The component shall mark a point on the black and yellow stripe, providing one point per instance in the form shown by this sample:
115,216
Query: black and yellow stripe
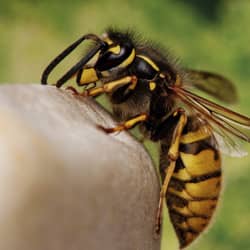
195,186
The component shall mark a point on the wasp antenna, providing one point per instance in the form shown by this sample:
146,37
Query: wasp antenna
67,51
78,66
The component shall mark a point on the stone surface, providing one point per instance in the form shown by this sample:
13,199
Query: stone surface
65,185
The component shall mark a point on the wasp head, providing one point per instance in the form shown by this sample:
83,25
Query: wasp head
116,56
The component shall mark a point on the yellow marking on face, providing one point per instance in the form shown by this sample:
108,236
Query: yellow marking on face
197,223
152,85
202,207
202,133
116,49
150,62
205,189
88,76
202,163
128,61
107,39
162,75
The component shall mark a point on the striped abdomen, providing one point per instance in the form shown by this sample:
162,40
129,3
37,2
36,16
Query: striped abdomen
195,185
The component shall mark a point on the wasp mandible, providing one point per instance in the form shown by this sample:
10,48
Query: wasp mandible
146,88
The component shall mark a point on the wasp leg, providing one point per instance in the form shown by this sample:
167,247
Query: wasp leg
127,124
73,90
111,86
172,156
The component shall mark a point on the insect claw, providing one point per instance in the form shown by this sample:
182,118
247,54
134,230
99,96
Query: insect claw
157,232
110,130
85,93
73,90
106,130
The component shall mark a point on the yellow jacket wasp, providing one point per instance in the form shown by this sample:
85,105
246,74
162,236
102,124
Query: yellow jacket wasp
146,88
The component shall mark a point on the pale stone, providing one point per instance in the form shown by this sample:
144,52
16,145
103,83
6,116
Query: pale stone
65,185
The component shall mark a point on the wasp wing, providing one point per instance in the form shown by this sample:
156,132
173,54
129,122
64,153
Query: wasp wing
213,84
227,143
229,127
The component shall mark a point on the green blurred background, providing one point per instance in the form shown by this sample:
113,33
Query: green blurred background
212,35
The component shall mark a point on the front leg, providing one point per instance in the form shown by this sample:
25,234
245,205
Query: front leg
109,87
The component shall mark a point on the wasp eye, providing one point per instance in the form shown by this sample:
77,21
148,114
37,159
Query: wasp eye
116,56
